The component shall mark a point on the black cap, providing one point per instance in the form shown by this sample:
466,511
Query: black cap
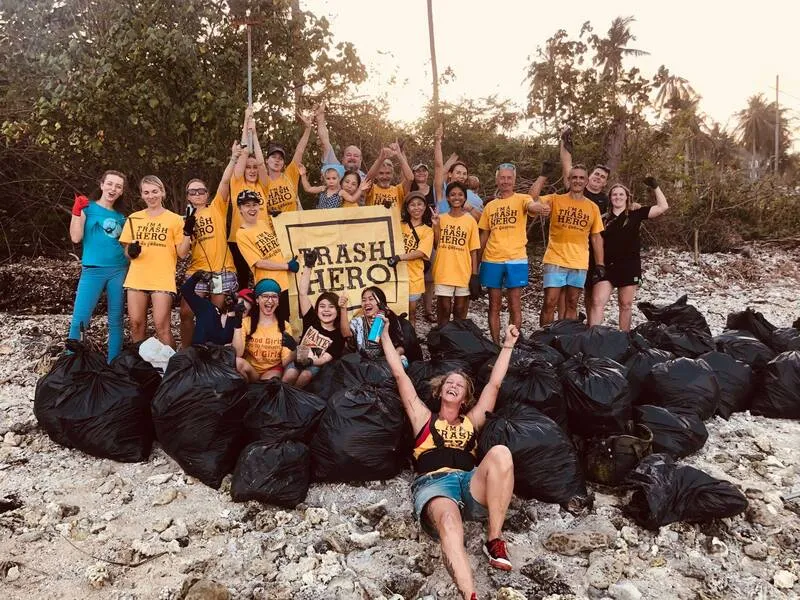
246,196
273,148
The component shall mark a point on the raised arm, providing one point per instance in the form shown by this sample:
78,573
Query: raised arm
241,162
311,189
438,163
417,412
437,230
373,170
565,153
78,220
224,187
263,173
344,321
406,173
300,149
328,155
489,395
661,200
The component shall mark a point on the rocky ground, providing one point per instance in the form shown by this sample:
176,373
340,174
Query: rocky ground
73,526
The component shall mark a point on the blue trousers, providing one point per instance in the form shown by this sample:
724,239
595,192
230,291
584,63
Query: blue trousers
90,287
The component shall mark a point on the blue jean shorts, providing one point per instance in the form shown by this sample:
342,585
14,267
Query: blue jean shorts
450,484
509,274
554,276
414,297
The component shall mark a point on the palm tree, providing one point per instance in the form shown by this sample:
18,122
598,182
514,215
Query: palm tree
756,129
612,49
674,92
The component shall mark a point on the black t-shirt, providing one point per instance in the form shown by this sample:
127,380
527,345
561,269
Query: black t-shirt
599,198
429,197
621,235
321,340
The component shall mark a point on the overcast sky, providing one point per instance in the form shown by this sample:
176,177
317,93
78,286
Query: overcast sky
728,52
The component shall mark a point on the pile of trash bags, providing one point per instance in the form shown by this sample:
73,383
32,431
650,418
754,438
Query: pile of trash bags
577,404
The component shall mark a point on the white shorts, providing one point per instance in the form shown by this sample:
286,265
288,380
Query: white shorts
448,291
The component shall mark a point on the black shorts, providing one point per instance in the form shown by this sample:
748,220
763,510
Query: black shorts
624,273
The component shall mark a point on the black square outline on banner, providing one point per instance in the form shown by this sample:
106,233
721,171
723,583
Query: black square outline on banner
387,220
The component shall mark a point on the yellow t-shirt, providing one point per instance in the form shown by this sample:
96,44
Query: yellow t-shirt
455,436
458,236
282,191
378,195
571,222
210,250
505,219
238,185
264,350
154,268
416,267
260,242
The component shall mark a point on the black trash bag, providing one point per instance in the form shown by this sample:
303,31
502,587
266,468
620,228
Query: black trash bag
198,411
608,460
796,324
51,388
539,351
532,381
687,343
655,334
779,395
640,364
666,492
423,371
546,465
597,396
102,413
550,332
784,339
413,351
638,341
130,363
462,340
362,436
678,433
350,371
751,321
279,412
599,341
274,474
686,384
736,383
744,347
678,313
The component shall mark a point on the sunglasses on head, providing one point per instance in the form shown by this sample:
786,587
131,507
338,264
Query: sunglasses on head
507,166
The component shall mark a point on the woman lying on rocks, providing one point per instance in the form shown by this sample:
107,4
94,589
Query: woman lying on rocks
450,485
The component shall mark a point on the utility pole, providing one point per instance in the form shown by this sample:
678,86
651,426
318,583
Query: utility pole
433,62
777,127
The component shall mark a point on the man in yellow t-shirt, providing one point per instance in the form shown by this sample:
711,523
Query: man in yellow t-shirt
259,245
503,239
382,172
574,221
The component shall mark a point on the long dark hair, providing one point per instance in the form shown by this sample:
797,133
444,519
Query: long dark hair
281,313
395,330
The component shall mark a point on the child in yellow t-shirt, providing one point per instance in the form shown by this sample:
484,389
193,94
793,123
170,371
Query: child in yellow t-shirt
455,269
382,172
264,344
154,239
418,247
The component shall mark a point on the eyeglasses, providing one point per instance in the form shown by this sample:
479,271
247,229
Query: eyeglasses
269,297
196,192
507,166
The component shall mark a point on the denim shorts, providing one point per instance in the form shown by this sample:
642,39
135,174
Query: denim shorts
313,369
509,274
450,484
414,297
554,276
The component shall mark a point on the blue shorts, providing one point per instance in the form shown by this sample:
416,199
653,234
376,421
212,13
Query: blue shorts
450,484
414,297
554,276
509,274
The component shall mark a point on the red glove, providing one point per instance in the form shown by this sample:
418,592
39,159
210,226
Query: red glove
81,202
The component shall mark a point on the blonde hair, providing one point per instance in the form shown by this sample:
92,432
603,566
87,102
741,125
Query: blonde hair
438,381
153,180
628,203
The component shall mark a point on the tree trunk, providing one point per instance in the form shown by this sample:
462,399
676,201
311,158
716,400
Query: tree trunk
615,141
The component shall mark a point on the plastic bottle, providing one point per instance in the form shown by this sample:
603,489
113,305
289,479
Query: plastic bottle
376,329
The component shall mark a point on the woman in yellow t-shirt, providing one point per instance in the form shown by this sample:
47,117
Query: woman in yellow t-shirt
353,189
154,239
209,251
264,344
418,246
455,269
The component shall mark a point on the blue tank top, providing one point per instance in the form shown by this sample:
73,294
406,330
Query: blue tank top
101,247
332,201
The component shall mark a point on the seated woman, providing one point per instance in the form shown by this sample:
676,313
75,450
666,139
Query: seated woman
373,301
212,324
622,251
450,486
154,238
322,339
264,344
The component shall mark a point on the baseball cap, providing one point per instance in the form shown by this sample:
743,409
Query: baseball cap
246,196
273,148
419,166
246,294
416,195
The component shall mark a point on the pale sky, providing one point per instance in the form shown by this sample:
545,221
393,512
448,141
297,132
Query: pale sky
728,52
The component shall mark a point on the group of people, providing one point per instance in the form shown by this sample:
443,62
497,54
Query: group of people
455,245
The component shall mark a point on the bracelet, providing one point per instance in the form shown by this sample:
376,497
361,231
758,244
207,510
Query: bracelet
509,347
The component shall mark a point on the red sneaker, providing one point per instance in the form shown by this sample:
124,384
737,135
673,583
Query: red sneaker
474,596
498,555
